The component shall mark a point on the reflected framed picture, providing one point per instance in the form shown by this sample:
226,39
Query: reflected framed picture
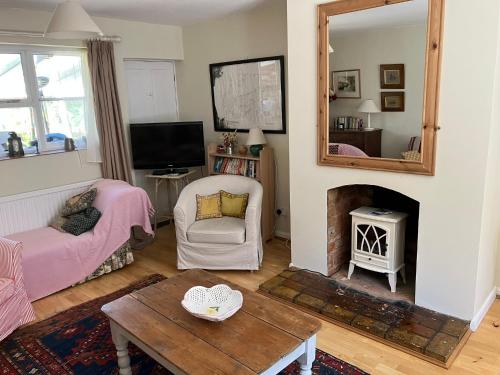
392,76
346,84
392,101
248,94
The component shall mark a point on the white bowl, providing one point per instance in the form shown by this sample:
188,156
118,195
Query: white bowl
215,304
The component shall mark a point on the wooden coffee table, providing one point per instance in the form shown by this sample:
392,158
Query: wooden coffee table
263,337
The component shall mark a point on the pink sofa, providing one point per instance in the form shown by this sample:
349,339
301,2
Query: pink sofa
15,308
53,261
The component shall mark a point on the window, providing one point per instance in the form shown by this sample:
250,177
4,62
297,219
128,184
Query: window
44,98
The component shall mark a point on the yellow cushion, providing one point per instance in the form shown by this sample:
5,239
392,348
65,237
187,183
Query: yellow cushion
234,205
208,206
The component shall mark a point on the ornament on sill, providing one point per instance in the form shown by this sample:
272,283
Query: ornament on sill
15,145
69,144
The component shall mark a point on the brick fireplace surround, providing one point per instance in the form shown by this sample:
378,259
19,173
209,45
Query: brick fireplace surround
344,199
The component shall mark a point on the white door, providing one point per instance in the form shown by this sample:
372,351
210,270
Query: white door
152,92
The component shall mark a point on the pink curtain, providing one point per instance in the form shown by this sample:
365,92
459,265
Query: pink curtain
115,160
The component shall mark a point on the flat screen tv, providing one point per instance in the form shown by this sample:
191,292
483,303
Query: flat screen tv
167,145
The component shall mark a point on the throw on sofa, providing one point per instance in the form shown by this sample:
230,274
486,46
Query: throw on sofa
221,243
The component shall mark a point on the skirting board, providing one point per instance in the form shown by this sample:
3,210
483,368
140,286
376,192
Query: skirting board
479,316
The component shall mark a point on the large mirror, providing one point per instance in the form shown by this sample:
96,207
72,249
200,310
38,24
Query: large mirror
378,84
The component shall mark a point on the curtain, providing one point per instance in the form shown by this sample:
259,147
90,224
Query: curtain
115,161
93,144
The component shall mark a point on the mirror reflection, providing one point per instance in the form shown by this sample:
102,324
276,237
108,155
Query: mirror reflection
377,65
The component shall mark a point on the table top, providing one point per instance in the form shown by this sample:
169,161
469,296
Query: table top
171,176
257,336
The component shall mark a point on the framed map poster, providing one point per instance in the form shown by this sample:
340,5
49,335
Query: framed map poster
249,94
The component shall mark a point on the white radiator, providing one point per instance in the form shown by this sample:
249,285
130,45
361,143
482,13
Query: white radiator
22,212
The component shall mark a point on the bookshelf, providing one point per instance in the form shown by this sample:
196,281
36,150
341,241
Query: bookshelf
260,168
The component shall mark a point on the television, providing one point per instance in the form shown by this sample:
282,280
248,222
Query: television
167,145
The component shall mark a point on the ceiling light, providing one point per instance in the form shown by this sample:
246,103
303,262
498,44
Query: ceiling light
71,21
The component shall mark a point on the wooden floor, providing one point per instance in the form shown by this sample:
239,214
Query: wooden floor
481,355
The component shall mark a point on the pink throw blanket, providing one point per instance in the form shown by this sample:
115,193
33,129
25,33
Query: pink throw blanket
53,261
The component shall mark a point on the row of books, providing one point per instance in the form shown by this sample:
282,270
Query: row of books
240,167
347,122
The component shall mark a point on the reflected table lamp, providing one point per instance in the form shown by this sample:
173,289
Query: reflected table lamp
256,141
368,106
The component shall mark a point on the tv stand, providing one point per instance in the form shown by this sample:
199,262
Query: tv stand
161,172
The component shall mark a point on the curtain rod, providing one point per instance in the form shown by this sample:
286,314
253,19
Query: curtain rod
38,34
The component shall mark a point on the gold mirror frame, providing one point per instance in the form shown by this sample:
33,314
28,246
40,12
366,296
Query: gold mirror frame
430,127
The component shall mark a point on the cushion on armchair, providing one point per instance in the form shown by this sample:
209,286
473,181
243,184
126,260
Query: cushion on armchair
208,206
234,205
224,230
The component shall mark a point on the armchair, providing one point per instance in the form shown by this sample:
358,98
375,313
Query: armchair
15,308
222,243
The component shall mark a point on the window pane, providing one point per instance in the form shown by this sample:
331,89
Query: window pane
11,77
64,118
59,76
19,120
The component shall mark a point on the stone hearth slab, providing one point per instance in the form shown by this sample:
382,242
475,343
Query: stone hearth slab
427,334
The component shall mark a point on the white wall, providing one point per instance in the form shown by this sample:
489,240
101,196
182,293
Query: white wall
139,40
451,203
488,271
366,50
256,33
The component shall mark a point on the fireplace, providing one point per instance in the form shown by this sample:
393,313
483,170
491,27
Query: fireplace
344,199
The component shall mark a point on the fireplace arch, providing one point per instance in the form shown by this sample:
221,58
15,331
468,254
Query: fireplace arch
344,199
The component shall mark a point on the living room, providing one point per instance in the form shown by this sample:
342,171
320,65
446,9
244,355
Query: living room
193,65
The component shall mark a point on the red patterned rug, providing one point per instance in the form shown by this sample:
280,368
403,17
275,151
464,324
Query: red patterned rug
78,341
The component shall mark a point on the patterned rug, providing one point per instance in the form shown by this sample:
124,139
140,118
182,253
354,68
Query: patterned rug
78,341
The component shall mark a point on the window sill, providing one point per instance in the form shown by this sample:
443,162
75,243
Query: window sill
46,153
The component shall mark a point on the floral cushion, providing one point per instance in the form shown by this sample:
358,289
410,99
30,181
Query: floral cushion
79,202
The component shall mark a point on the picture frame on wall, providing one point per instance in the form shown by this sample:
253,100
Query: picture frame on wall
392,101
249,94
346,84
392,76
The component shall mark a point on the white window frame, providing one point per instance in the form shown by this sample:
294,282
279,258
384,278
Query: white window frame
33,100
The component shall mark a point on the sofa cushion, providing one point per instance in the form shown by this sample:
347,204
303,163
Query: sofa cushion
224,230
6,289
79,202
82,222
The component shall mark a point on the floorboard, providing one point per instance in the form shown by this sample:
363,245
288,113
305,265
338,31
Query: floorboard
481,354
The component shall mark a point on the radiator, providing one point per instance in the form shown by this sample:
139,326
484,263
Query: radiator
22,212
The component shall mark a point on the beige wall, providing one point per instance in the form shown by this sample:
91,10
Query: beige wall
139,40
257,33
366,50
451,202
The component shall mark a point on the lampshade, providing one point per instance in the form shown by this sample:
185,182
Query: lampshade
330,49
70,21
368,106
256,137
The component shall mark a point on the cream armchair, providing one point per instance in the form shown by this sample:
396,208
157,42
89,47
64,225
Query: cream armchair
225,243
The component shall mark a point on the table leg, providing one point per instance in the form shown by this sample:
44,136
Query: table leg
121,344
157,183
306,360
